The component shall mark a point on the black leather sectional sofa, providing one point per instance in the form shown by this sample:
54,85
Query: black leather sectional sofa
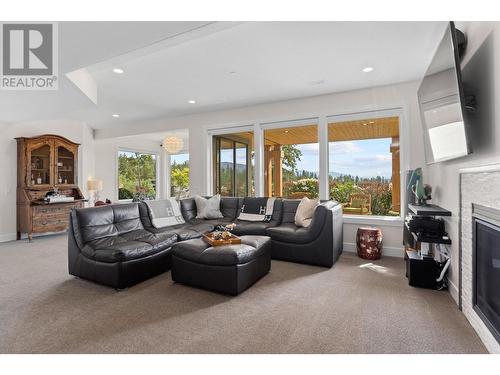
117,245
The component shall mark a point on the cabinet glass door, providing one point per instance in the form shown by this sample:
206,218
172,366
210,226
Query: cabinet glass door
39,166
65,166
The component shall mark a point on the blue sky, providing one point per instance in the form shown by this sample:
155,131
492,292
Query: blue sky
179,159
366,158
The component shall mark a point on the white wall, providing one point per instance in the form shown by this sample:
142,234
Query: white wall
86,159
73,130
481,76
106,151
386,97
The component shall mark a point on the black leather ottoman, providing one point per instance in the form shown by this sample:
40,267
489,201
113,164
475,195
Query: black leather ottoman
225,269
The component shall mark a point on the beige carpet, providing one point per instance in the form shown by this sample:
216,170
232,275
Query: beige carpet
355,307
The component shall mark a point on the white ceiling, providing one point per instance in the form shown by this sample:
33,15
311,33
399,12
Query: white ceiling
168,63
82,44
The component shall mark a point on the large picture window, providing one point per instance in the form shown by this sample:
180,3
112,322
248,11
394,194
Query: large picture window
291,162
137,175
364,166
361,160
179,176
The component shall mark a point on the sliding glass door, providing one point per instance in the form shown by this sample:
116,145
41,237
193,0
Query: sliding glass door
225,167
233,165
241,154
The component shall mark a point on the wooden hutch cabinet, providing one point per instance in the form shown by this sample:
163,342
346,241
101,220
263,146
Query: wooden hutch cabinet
46,164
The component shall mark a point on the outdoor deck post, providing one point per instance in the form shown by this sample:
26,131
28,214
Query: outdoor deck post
396,205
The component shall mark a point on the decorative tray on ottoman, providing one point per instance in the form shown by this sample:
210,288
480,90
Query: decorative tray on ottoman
213,241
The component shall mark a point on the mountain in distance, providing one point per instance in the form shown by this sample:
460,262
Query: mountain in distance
242,168
229,165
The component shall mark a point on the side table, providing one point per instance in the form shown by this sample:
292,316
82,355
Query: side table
369,243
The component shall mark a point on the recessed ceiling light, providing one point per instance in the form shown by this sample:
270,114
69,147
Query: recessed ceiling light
115,115
192,101
118,71
368,69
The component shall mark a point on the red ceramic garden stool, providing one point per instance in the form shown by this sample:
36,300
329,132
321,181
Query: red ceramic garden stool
369,243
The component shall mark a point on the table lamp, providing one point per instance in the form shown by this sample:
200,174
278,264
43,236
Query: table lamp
94,186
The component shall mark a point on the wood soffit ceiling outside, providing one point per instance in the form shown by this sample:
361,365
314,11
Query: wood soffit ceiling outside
387,127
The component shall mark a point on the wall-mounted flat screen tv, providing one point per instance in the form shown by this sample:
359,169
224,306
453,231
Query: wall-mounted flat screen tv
442,103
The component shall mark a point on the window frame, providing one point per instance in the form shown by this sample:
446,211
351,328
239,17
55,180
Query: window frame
307,121
322,119
211,157
399,113
140,151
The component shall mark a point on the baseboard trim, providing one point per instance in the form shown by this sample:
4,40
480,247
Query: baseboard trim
7,237
453,290
390,251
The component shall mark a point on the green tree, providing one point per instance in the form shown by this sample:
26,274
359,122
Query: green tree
305,185
342,188
291,155
137,174
179,179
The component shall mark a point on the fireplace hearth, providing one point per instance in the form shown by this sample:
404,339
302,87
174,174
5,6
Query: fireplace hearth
479,212
486,266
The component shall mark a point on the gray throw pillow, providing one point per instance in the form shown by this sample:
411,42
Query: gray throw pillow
208,208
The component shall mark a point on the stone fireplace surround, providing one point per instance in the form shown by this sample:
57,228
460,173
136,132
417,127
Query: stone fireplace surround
481,186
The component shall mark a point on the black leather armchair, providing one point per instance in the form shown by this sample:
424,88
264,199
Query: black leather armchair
319,244
109,245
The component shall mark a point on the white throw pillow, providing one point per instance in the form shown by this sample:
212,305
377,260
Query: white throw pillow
305,211
208,208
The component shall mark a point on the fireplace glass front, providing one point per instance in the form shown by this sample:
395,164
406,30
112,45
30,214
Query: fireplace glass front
486,240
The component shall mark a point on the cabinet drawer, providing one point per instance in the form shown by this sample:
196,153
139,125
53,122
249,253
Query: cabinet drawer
51,223
43,211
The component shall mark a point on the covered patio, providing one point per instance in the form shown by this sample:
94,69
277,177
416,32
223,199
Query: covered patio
277,139
376,128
